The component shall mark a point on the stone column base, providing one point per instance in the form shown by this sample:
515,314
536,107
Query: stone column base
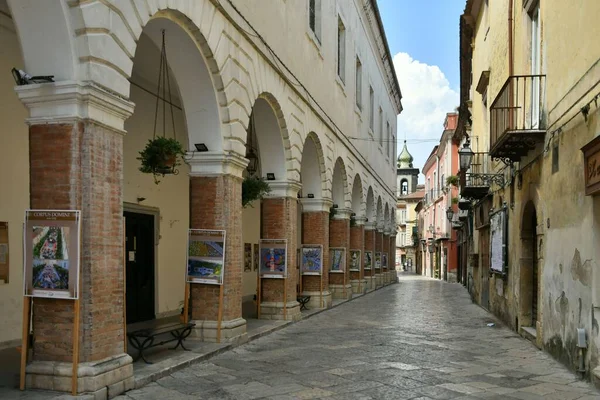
315,300
103,379
393,276
385,278
370,283
378,278
231,331
452,277
274,310
359,286
338,292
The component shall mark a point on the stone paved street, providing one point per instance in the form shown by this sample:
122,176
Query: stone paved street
418,339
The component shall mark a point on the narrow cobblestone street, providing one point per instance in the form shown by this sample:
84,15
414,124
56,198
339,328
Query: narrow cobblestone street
419,339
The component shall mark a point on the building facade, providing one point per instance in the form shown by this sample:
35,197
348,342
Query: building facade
441,193
312,111
407,180
529,119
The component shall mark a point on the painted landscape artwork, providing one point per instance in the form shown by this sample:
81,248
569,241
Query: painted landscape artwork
355,260
206,256
368,259
338,259
50,258
273,258
378,260
312,260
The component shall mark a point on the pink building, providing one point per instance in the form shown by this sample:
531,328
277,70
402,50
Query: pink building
439,247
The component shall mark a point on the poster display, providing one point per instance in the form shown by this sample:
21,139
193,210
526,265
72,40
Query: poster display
206,256
497,241
338,259
273,258
355,260
377,260
368,260
311,259
51,245
384,260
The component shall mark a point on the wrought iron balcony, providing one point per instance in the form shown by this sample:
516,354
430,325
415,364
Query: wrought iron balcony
516,117
478,178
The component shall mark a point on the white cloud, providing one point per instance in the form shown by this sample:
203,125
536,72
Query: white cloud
426,98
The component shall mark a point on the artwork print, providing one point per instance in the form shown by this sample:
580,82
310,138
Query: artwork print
378,260
355,260
206,256
273,258
312,260
52,253
368,259
338,259
384,260
247,257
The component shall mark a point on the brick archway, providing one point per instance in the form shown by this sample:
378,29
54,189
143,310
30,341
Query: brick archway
340,193
358,204
312,171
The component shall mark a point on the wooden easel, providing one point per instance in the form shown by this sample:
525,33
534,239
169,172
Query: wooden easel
284,298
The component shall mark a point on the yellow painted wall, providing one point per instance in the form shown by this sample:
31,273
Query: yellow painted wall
14,180
171,196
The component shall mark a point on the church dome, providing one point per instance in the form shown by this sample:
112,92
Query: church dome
405,160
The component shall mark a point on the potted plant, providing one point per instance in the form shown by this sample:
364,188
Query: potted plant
455,200
160,156
452,180
253,188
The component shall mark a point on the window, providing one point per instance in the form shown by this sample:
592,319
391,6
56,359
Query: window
404,187
371,109
388,139
380,127
314,17
341,52
358,84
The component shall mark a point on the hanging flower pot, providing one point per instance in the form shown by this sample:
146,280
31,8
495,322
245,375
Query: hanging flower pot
160,156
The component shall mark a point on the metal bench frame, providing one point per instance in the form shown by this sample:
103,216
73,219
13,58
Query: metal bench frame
303,300
178,331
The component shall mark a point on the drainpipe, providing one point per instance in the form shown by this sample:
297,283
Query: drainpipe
510,38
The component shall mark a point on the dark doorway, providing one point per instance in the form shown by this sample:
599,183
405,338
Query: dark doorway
534,278
139,258
484,248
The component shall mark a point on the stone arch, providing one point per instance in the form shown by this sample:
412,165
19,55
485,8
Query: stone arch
312,173
339,191
529,279
370,206
358,205
386,216
272,139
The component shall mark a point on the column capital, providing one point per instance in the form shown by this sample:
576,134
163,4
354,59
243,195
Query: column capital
370,225
342,213
73,101
360,221
281,189
316,205
213,163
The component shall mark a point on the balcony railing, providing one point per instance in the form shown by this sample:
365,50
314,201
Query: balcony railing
517,117
480,177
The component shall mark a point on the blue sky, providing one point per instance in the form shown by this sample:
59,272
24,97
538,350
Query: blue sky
423,40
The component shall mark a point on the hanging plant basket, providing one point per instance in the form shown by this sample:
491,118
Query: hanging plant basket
452,180
161,157
253,188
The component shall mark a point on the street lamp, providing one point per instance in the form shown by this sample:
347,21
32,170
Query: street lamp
465,155
450,214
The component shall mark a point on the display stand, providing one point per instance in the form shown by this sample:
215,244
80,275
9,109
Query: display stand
258,297
25,338
321,289
124,287
284,299
220,314
344,283
75,348
186,303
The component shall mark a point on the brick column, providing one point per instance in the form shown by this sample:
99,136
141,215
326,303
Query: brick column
339,236
393,270
385,245
216,203
315,230
357,242
370,246
378,248
76,162
278,221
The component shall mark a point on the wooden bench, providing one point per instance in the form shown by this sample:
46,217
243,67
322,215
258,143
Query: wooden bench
303,300
143,339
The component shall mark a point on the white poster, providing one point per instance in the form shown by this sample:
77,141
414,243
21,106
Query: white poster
497,241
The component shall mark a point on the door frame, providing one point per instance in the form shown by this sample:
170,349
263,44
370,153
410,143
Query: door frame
155,212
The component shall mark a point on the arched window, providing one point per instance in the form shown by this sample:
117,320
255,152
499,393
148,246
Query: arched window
404,187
